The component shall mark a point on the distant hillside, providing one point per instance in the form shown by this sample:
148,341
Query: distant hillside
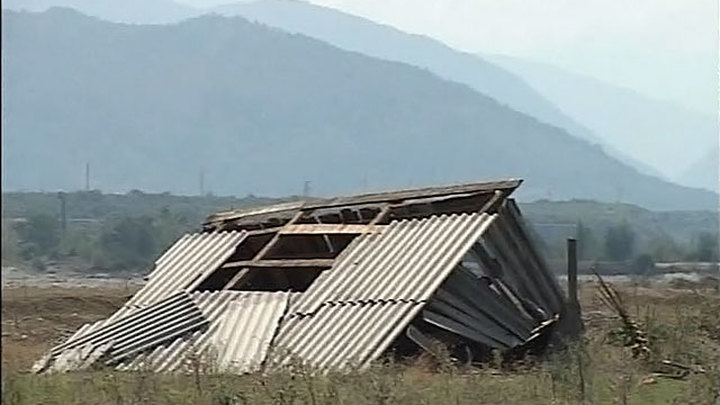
358,34
260,111
665,135
704,171
681,225
126,11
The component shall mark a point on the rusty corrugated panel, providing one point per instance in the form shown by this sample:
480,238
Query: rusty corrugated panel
404,263
184,264
341,336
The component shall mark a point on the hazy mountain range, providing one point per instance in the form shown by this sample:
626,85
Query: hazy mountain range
125,11
260,110
636,129
662,134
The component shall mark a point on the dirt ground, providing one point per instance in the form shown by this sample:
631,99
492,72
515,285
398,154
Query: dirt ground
682,324
36,318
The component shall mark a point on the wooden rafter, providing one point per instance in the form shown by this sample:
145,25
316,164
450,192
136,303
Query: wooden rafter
281,263
324,229
271,243
494,202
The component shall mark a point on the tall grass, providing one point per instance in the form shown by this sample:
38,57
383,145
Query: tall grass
681,327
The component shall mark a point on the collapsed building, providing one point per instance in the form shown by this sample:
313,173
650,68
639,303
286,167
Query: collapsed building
335,284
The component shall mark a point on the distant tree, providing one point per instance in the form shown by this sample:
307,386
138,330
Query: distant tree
664,248
169,227
642,264
129,244
587,243
78,243
705,247
39,235
10,243
619,242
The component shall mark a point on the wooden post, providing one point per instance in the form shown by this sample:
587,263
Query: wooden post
572,269
573,318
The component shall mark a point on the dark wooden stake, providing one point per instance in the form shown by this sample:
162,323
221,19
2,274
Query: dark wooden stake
572,269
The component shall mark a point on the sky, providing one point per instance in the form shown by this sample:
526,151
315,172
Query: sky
665,49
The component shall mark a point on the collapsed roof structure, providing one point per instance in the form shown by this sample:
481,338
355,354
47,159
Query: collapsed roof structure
335,284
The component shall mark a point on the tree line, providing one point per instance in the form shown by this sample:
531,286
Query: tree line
619,243
128,243
113,232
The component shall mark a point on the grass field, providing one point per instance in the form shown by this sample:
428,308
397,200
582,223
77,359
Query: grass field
683,326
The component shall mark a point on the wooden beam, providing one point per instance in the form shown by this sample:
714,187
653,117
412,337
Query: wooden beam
494,201
380,217
280,263
323,229
246,270
264,231
400,195
240,275
275,238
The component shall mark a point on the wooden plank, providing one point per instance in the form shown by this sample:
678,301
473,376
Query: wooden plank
240,275
246,270
428,192
322,229
494,201
264,231
276,238
255,215
380,217
281,263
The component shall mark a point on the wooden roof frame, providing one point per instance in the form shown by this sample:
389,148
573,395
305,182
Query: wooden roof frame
351,216
383,205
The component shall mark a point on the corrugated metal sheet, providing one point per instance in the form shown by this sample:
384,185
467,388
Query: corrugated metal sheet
511,218
184,353
342,336
246,331
167,320
179,354
91,327
183,265
405,263
353,312
242,325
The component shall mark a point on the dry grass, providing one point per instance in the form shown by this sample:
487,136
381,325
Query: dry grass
682,326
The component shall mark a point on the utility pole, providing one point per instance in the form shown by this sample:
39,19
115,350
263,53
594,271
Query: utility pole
63,212
87,176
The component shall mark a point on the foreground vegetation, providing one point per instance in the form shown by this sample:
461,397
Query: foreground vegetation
682,326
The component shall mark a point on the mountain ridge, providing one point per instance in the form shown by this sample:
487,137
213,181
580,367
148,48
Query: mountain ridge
358,34
260,111
669,134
